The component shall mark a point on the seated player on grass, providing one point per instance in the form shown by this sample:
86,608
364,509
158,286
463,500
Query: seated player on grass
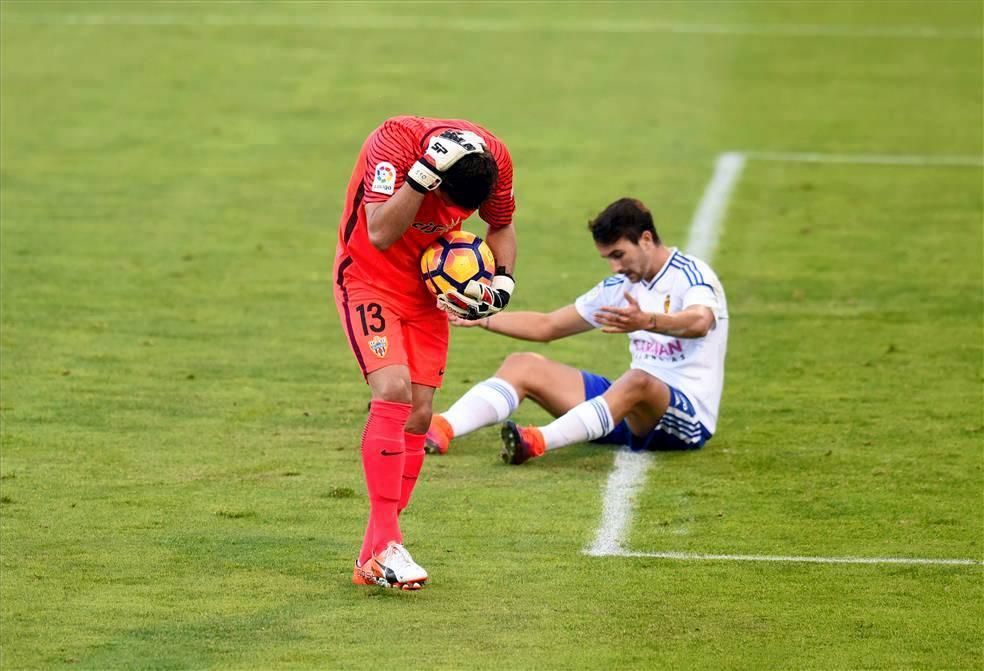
673,309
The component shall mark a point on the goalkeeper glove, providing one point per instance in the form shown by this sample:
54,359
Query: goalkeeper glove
443,151
478,300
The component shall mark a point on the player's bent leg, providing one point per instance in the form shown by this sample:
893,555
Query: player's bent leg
634,394
554,386
638,398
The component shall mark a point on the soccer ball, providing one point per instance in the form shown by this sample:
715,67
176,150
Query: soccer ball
454,259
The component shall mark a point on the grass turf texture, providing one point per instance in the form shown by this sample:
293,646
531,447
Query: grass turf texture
180,482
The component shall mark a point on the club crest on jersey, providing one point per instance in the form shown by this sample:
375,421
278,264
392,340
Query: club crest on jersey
666,304
384,178
379,345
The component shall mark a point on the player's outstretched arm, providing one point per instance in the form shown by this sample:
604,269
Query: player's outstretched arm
535,326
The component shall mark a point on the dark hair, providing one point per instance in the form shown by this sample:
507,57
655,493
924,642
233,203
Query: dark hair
625,218
469,182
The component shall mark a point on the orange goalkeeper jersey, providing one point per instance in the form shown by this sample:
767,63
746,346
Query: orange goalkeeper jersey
386,156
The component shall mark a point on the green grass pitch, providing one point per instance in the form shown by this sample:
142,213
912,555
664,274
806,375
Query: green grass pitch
179,479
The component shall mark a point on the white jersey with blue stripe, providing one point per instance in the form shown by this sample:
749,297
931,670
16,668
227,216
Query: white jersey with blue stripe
695,366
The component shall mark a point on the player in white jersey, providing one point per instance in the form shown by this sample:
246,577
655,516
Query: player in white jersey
674,311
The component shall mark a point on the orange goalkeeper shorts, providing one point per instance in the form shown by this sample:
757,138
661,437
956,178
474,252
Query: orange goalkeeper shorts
382,332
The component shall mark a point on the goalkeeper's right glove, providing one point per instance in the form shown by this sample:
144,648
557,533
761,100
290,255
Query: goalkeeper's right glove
443,151
479,300
460,305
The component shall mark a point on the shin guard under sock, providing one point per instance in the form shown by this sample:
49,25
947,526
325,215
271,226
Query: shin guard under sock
383,456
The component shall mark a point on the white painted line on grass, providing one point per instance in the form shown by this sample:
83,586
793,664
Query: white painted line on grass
706,224
869,159
513,25
624,482
690,556
629,471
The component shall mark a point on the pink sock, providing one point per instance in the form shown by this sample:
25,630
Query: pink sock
411,466
383,456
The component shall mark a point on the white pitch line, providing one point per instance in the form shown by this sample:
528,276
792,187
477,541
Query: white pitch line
868,159
706,224
690,556
626,479
629,471
418,22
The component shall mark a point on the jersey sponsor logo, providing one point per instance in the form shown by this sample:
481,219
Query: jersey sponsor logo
656,348
430,227
384,178
379,345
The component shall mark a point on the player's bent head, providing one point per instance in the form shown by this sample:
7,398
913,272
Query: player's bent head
470,181
626,218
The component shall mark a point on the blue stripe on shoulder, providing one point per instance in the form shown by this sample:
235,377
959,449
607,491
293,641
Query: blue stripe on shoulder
690,271
613,281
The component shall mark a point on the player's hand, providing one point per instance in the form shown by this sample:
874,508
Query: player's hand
492,299
478,300
451,146
459,306
443,151
458,322
624,320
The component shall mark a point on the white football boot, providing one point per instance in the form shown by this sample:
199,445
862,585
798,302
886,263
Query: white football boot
394,567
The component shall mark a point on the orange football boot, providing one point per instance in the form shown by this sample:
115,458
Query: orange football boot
361,575
439,436
520,444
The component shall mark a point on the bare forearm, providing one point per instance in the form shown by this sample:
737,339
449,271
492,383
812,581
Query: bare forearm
387,222
521,325
684,324
502,242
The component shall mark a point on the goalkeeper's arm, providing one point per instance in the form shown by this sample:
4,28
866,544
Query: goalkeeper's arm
535,326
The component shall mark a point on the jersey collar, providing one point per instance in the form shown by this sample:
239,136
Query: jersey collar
662,271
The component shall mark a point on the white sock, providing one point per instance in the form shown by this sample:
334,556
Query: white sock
586,421
488,402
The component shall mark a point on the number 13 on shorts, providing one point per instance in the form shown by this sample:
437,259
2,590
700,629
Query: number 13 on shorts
381,336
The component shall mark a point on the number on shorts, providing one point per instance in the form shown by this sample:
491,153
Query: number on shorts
375,311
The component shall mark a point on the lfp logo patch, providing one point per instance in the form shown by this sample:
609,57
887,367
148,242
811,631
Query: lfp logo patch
379,346
384,178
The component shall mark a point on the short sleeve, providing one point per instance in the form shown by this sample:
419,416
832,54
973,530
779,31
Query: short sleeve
607,293
702,294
